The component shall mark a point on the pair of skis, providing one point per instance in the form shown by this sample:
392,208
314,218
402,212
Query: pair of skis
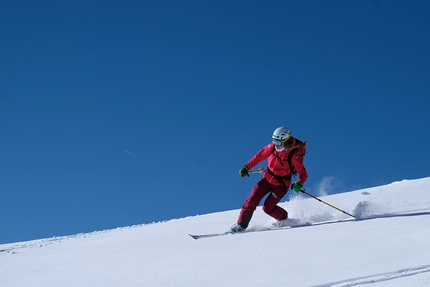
254,229
272,228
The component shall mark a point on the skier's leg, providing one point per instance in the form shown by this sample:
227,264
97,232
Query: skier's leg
248,208
270,204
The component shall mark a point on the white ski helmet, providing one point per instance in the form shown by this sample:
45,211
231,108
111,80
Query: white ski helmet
281,134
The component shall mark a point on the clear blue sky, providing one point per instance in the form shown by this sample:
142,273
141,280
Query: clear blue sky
116,113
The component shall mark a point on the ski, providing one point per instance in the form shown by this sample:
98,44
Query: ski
273,228
199,236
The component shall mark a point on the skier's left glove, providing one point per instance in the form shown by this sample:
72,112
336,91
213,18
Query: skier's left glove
297,186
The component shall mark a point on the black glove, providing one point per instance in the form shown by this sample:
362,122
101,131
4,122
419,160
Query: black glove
244,171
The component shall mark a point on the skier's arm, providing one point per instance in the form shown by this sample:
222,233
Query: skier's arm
260,156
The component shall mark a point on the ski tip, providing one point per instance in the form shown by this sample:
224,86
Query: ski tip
208,235
194,236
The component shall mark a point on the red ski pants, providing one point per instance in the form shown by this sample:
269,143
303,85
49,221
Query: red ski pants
261,189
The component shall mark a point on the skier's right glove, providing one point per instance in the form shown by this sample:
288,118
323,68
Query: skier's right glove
244,171
297,186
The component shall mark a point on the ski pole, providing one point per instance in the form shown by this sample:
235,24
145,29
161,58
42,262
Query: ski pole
304,191
260,170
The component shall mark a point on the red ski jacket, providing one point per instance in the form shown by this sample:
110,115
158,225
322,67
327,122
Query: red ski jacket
278,165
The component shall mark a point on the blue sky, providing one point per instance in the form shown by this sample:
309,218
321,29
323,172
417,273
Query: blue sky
116,113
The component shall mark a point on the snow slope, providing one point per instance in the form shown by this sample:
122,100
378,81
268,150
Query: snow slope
388,246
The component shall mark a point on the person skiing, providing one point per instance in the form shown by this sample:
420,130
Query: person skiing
285,158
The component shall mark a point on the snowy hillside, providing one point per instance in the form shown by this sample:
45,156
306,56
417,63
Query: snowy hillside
388,246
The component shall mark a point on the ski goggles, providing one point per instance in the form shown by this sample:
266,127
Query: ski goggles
279,142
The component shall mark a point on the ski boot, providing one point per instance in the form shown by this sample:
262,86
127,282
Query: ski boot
236,228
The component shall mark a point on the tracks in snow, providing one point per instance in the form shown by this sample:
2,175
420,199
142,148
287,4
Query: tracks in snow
378,277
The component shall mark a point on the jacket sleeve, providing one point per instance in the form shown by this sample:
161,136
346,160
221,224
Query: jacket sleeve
297,161
260,156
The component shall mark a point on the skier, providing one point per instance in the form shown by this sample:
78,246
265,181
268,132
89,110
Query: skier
285,155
